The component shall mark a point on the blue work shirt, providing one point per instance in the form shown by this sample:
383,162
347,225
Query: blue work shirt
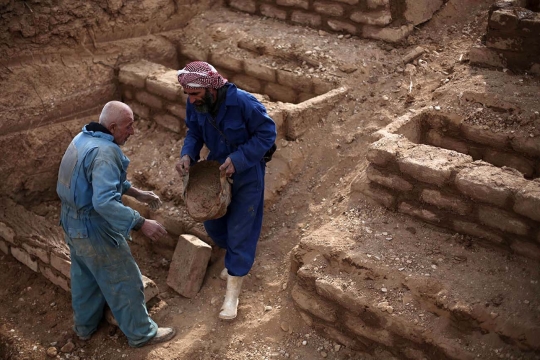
243,119
91,182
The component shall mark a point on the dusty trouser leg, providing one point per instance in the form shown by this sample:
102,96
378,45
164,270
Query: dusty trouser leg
120,281
86,298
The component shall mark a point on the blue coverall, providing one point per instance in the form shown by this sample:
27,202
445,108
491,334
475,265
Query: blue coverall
250,132
91,181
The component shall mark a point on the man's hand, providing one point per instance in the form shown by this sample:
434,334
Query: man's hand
153,230
149,198
183,165
227,167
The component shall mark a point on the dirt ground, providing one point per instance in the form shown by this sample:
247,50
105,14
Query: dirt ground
36,316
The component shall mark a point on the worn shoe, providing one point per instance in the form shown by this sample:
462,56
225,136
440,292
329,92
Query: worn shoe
84,338
163,334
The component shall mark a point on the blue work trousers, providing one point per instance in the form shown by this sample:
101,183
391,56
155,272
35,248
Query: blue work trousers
239,229
104,272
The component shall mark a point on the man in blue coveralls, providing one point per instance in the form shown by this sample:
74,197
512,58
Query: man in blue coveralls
235,127
91,182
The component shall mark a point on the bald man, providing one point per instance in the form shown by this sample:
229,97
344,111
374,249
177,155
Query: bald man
91,182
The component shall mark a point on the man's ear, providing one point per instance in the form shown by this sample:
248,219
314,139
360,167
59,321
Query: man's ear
112,128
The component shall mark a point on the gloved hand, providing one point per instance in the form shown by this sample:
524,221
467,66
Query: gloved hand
183,165
149,198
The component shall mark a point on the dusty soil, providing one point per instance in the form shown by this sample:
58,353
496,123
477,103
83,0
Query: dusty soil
35,316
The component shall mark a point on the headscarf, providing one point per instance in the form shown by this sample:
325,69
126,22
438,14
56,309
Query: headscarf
200,74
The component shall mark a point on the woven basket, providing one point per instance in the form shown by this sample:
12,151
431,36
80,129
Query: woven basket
207,192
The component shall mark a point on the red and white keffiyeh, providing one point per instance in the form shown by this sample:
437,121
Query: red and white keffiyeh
200,74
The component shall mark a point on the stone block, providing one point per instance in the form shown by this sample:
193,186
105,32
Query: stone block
38,252
62,265
388,34
386,150
303,116
304,4
502,220
151,289
447,202
305,96
294,81
247,83
368,335
444,124
530,26
436,139
529,146
328,8
152,101
135,74
527,249
25,258
305,18
188,266
500,159
4,247
503,19
485,136
377,18
228,62
260,71
280,93
350,2
481,55
527,200
177,110
387,179
419,212
7,233
56,279
419,11
321,86
509,43
140,110
380,195
473,229
273,12
170,122
337,25
373,4
165,85
193,52
313,305
244,5
488,184
128,94
350,299
432,165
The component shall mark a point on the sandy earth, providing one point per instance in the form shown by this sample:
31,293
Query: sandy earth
35,316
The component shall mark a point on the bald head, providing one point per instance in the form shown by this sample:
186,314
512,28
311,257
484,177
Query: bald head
117,117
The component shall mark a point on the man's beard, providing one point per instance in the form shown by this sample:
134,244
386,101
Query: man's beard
205,107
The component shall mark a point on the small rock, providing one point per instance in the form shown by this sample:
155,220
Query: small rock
389,309
384,290
68,347
337,347
267,308
324,354
304,342
284,326
52,352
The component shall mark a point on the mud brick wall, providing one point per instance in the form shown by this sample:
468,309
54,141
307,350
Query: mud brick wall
388,20
153,92
512,38
253,76
514,32
450,189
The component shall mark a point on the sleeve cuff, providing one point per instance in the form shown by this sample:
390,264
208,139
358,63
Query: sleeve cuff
139,224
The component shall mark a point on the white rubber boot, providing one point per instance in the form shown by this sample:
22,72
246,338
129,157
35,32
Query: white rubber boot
224,274
230,305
